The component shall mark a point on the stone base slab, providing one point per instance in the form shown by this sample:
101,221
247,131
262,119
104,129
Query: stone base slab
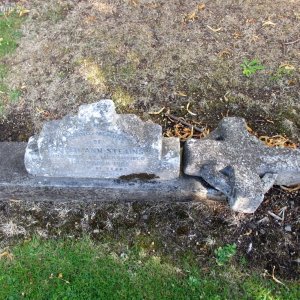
17,184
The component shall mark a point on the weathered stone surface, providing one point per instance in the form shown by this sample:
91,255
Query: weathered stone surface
239,165
99,143
17,184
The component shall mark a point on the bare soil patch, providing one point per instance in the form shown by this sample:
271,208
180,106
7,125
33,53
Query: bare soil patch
178,230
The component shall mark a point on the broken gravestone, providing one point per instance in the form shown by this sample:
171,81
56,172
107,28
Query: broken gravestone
99,143
239,165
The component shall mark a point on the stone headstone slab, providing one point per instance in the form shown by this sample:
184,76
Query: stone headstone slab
99,143
240,165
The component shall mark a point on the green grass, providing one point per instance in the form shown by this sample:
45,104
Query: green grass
9,35
225,253
251,67
283,71
80,269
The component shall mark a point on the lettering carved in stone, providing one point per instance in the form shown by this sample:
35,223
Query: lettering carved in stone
99,143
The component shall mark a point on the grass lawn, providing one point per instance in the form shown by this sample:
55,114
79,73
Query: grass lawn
9,35
81,269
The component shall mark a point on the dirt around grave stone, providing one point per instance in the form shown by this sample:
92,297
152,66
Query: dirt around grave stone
171,229
16,127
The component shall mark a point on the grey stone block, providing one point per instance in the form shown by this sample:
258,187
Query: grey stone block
17,184
99,143
239,165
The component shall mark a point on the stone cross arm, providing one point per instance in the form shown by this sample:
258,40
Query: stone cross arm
239,165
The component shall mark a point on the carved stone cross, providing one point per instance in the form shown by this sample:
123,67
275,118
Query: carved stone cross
240,165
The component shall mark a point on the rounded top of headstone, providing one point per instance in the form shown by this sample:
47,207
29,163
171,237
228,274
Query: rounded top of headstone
104,111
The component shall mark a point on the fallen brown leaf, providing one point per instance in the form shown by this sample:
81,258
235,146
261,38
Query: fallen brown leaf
278,141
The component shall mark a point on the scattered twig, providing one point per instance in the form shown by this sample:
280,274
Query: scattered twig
21,61
15,200
183,122
269,22
192,133
291,189
187,108
263,220
293,42
250,248
282,212
214,29
157,112
274,216
275,279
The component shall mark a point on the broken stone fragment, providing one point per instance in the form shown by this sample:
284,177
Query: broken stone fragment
238,164
99,143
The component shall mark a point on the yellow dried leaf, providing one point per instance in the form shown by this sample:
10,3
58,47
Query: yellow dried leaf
248,232
249,129
90,19
255,38
181,94
23,11
201,6
60,275
134,2
287,67
237,35
191,17
7,255
292,82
